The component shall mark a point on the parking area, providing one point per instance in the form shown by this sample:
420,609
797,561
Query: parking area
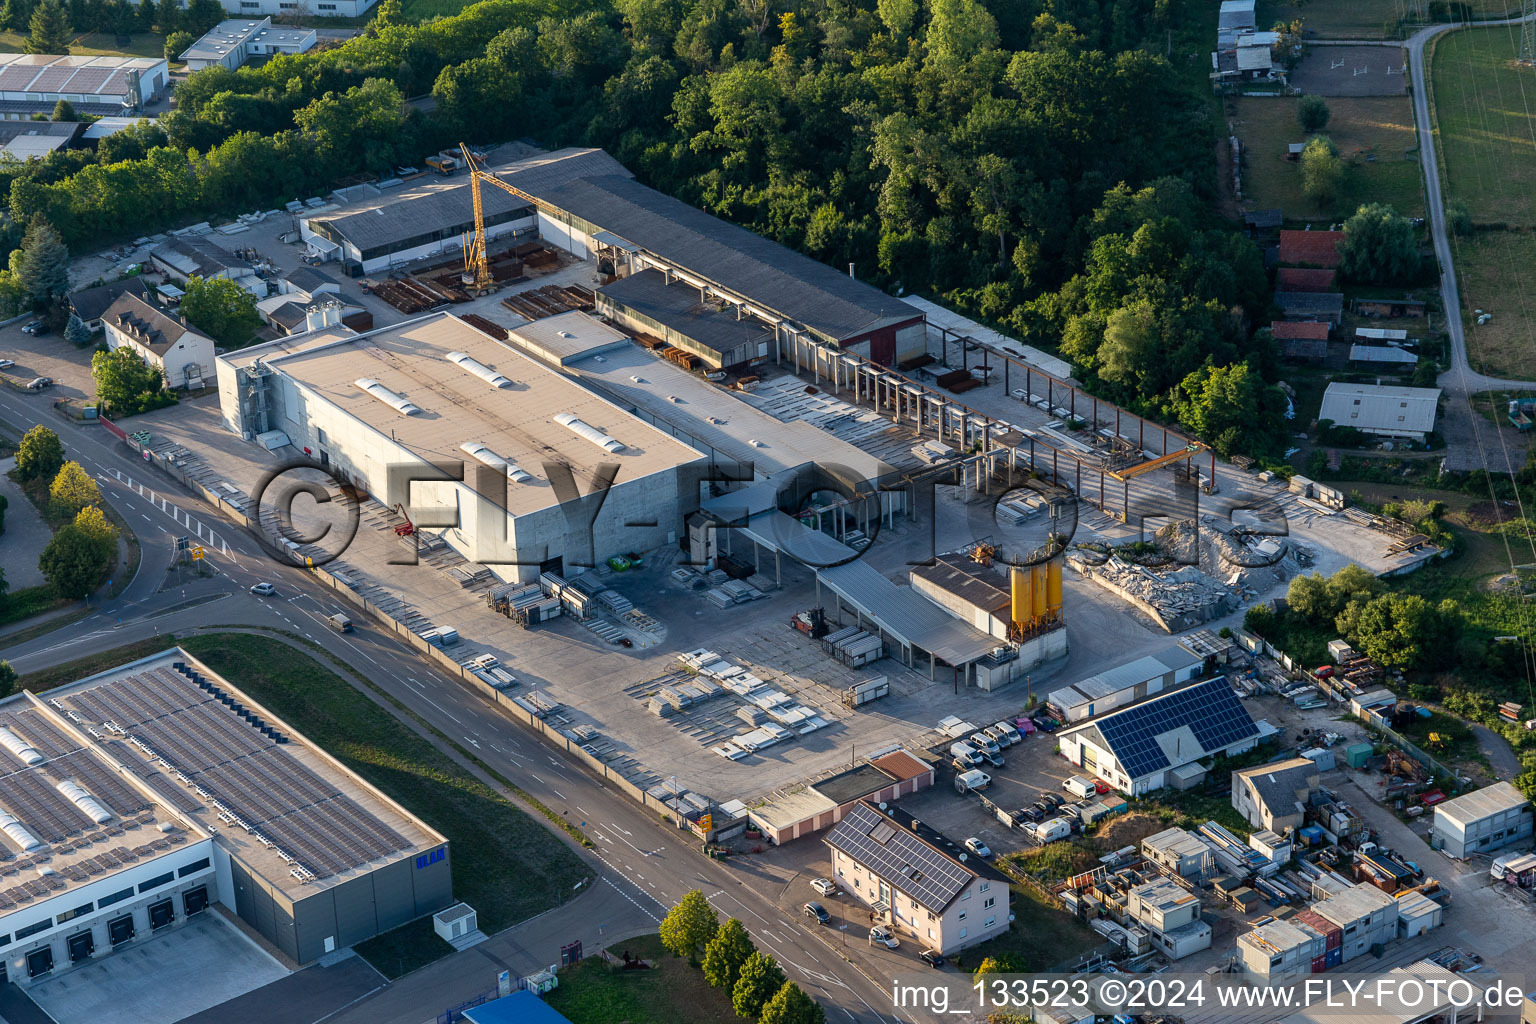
25,533
201,964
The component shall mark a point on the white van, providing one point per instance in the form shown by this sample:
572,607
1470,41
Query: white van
1079,786
981,741
973,780
963,751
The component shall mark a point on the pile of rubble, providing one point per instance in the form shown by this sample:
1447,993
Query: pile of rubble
1177,600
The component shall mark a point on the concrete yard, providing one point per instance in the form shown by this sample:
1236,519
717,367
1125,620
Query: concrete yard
175,975
25,534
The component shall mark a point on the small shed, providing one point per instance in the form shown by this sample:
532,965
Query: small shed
1340,651
1356,754
1186,776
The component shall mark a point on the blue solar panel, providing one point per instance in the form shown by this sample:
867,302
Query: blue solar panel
1210,709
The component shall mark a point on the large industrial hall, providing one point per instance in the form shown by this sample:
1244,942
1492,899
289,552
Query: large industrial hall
135,799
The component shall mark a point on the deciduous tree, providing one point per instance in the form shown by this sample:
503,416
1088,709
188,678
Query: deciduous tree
1379,246
39,455
64,111
1322,172
72,563
126,384
689,926
72,490
761,978
221,309
725,954
176,44
1312,112
790,1005
7,679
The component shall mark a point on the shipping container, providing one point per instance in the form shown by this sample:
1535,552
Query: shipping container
1319,964
1335,957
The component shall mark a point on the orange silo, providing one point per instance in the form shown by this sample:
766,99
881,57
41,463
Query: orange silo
1053,588
1037,588
1019,590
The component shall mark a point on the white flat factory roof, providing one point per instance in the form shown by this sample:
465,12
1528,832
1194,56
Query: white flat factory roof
433,365
731,425
567,337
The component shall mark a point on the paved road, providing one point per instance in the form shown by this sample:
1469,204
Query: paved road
649,866
1506,764
1472,442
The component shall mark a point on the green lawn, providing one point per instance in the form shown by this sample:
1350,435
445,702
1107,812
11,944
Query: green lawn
1362,128
398,952
672,992
505,865
1360,19
1497,273
1041,937
1485,117
95,44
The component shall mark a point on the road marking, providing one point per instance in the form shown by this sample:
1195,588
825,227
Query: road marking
541,781
627,896
771,937
146,518
557,793
439,707
473,743
583,810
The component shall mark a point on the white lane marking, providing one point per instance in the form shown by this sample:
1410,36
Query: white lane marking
557,793
582,809
541,781
439,707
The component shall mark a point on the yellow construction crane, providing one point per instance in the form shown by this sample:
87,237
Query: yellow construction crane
477,267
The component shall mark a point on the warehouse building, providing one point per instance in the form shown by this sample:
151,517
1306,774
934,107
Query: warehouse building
1382,410
916,881
1143,747
33,140
230,44
33,83
436,388
187,256
683,315
1124,684
423,219
1483,821
290,8
1418,993
591,206
137,797
1275,796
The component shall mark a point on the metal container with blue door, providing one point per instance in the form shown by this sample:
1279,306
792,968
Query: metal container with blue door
1335,957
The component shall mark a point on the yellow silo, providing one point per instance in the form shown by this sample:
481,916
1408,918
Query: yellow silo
1037,580
1053,588
1019,589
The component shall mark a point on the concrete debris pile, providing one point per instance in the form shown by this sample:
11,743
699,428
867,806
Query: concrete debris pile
1176,600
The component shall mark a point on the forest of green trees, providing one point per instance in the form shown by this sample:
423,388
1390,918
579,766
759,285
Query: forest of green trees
1045,164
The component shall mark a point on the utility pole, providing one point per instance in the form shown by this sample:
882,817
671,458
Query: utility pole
1528,33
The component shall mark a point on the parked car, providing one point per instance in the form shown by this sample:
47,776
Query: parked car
38,383
35,327
1007,733
931,957
6,364
817,911
825,886
978,847
1027,814
881,934
1100,786
983,743
995,760
264,589
1053,800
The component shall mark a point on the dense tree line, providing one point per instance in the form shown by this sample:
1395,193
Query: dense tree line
1042,163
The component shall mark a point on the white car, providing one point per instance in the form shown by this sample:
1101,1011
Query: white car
882,935
977,847
6,364
824,886
264,589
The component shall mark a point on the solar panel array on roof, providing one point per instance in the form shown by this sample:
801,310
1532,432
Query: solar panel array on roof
1210,710
16,79
901,859
87,80
215,746
51,79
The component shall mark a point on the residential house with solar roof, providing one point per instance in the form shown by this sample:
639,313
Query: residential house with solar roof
917,882
1161,741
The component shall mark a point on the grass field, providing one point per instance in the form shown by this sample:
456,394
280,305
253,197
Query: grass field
1042,936
671,992
1485,118
1379,126
1497,273
505,865
1359,19
95,44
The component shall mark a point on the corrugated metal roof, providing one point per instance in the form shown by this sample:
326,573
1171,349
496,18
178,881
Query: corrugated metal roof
794,286
1479,804
904,614
1381,354
1374,407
